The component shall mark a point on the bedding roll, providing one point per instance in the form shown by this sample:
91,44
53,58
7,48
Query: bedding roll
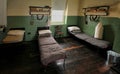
99,31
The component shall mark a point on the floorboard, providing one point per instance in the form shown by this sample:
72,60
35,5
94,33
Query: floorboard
26,60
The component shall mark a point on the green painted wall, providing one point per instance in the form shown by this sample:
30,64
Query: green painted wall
25,22
111,29
31,29
87,28
72,20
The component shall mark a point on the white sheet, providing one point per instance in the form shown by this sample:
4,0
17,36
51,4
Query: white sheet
16,32
45,33
14,36
74,29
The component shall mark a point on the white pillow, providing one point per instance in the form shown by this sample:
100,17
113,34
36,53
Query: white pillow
45,33
98,31
16,32
74,28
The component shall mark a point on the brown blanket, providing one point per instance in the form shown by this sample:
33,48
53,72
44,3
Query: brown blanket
46,40
50,53
93,41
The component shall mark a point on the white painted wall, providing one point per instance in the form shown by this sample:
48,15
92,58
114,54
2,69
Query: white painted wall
114,6
72,7
21,7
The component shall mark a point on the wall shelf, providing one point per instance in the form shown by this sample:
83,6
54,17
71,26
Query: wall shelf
98,10
39,12
95,12
36,10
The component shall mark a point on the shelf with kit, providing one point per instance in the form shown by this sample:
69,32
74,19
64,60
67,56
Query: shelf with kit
95,12
39,11
36,10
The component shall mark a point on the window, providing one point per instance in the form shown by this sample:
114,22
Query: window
58,8
57,15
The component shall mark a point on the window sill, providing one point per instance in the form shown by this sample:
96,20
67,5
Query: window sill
57,23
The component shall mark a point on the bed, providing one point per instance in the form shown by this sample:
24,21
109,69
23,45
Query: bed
13,42
50,50
14,35
76,32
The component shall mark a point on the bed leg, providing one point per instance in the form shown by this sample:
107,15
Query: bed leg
64,64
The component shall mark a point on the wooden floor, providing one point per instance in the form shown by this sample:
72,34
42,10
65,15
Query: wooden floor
82,60
26,60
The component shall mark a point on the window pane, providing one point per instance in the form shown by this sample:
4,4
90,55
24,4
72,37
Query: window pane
57,15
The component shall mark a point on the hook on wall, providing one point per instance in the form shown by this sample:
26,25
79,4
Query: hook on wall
94,18
40,16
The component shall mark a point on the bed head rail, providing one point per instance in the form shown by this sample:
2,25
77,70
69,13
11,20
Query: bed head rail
71,25
43,28
17,29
